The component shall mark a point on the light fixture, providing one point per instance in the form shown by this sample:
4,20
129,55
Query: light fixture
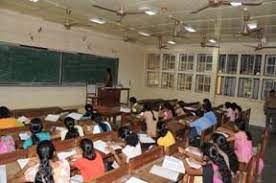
212,41
34,1
98,20
235,4
252,25
171,42
151,12
189,29
143,33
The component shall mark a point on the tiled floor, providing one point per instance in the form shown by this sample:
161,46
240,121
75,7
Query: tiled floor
269,174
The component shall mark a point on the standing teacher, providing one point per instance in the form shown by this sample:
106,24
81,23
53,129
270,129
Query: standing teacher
108,78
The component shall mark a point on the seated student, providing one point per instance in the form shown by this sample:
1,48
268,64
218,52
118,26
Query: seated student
179,108
131,150
207,120
101,126
165,137
124,131
226,151
72,130
7,144
43,168
243,144
151,118
231,114
135,107
91,163
167,111
36,127
6,121
89,111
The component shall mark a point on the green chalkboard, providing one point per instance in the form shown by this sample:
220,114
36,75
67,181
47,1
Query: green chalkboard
87,68
20,64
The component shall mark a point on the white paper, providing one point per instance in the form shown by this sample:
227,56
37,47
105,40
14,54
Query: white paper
190,108
24,119
164,172
52,117
24,135
91,88
3,174
190,150
76,179
174,164
115,165
66,154
193,164
101,146
75,116
145,139
225,135
135,180
125,109
23,162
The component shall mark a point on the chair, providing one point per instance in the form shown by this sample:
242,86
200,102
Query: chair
113,175
261,153
13,156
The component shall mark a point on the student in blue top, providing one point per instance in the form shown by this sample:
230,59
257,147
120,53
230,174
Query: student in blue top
101,125
207,120
38,135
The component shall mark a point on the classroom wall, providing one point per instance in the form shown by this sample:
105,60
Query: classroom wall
18,28
257,115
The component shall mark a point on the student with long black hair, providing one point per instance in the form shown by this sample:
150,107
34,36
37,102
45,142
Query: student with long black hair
72,130
6,121
165,137
101,125
91,164
37,135
231,159
151,118
43,169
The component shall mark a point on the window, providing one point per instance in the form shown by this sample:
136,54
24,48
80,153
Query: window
186,62
251,64
168,62
228,64
226,86
184,81
153,62
268,84
270,65
204,63
152,79
167,80
203,83
248,88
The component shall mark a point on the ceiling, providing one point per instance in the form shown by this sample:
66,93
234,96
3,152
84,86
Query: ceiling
223,23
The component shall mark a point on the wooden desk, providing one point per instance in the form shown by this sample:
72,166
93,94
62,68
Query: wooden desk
110,113
108,96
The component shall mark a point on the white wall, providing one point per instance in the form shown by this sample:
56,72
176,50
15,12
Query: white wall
17,28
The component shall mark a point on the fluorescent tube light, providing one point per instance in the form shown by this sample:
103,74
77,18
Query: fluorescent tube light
98,20
189,29
171,42
144,33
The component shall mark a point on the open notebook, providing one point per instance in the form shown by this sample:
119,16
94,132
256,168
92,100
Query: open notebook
170,169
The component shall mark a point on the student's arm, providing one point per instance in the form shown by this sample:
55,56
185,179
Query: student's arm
120,159
191,155
192,171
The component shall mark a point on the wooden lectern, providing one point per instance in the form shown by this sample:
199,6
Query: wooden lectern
108,96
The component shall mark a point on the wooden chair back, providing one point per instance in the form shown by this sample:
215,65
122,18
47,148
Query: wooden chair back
145,158
13,156
261,153
113,175
36,112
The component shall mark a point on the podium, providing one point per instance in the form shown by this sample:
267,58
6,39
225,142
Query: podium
108,96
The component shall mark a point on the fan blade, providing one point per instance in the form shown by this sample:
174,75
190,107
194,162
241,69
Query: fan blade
103,8
212,46
268,47
201,9
251,46
134,13
120,19
252,3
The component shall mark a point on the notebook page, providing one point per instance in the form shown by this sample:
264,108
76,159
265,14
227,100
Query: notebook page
164,172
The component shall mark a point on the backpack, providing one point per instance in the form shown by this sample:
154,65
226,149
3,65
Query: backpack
7,144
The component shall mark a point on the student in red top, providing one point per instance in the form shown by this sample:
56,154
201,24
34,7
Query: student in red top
91,164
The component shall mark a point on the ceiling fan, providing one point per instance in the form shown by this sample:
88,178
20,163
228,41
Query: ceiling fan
161,44
68,23
261,43
218,3
206,44
120,12
246,29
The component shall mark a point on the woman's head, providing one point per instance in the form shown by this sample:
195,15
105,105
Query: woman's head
147,107
124,131
132,100
181,104
207,106
108,70
88,108
162,128
132,139
98,118
219,139
36,125
45,151
87,148
227,105
4,112
69,123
